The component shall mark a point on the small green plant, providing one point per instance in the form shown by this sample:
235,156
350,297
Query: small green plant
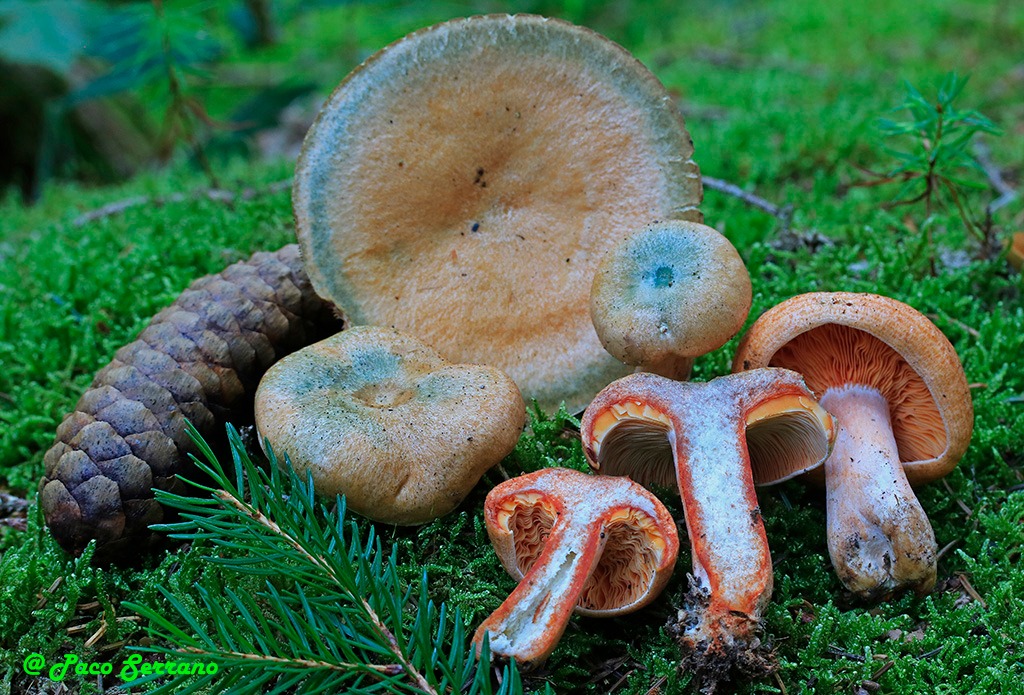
330,613
934,161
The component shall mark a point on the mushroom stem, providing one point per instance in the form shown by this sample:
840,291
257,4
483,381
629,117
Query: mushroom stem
645,426
529,623
879,536
671,366
732,567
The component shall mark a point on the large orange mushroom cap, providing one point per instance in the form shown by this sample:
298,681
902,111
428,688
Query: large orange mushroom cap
462,183
839,338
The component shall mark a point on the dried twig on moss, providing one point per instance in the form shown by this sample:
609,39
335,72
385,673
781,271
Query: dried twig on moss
216,195
1007,194
333,615
784,214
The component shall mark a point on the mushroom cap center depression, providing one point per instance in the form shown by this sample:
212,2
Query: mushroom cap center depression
477,170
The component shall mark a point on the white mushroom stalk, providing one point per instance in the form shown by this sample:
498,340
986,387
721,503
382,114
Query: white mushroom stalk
701,437
597,546
900,397
889,544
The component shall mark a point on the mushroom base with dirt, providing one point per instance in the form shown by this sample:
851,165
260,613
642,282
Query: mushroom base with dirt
702,437
886,544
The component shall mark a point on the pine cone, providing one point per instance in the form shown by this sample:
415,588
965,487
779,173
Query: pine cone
199,359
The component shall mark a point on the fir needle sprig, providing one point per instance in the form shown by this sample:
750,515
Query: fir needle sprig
331,614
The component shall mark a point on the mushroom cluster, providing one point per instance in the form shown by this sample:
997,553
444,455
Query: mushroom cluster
496,204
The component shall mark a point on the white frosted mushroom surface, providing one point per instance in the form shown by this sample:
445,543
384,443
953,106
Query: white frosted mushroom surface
377,415
462,183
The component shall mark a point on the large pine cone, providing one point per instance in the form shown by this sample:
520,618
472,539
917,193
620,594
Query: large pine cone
199,359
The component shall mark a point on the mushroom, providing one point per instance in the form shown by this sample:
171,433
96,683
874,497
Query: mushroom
702,437
472,171
898,391
577,542
667,294
378,416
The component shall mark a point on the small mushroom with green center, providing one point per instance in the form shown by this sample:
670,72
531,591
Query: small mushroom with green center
593,545
702,438
897,389
378,416
668,294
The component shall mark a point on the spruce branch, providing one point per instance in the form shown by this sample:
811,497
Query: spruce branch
332,614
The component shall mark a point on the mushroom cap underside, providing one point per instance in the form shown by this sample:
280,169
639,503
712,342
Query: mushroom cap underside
640,537
631,427
462,183
673,288
836,339
380,417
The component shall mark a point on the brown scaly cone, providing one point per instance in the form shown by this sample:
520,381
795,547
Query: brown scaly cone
200,360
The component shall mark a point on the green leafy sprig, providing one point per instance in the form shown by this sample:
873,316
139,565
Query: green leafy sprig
329,611
934,161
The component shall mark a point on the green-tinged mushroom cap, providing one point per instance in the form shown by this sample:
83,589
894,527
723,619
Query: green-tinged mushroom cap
378,416
668,294
462,183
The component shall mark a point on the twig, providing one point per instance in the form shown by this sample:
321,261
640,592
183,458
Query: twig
320,562
1006,192
216,195
973,332
885,667
18,523
784,214
10,505
971,591
946,548
837,653
960,503
656,687
383,669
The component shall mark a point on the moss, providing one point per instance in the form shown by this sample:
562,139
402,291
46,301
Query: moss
778,102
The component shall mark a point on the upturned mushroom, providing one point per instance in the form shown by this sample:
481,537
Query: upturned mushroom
597,546
668,294
899,394
702,437
378,416
475,169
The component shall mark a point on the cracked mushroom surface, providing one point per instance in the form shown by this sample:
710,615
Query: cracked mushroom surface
702,438
594,545
378,416
476,169
899,394
667,294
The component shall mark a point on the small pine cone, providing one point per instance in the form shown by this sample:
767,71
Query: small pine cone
199,359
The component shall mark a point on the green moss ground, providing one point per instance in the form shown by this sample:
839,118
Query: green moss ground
781,98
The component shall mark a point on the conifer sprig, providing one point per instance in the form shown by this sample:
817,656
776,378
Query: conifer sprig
331,614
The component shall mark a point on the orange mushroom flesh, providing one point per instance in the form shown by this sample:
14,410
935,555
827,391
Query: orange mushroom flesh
667,294
900,397
452,155
596,546
702,437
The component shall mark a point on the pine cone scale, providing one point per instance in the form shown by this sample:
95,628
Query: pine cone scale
199,359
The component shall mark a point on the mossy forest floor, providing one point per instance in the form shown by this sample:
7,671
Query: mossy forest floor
782,99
